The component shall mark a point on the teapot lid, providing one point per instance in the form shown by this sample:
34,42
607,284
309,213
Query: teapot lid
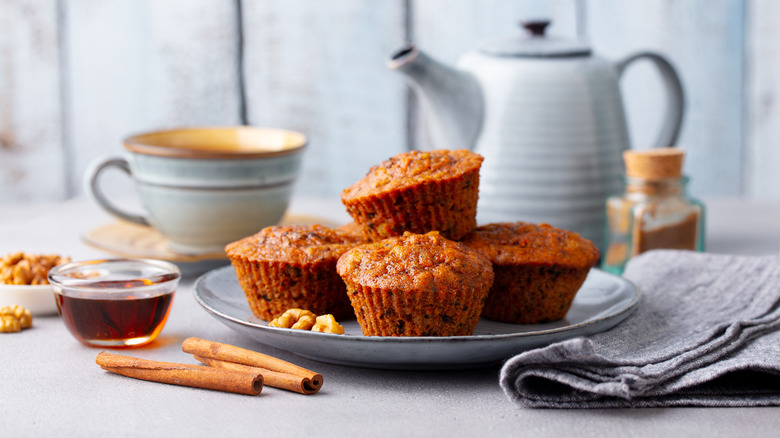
536,44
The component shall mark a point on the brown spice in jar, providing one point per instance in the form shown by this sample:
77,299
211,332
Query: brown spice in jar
681,235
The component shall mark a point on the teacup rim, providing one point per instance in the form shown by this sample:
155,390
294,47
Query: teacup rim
133,143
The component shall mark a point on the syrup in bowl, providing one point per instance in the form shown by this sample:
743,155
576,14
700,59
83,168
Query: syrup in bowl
115,302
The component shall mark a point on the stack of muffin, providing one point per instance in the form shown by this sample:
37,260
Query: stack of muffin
414,262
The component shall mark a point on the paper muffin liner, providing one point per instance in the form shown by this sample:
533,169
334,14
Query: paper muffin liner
532,294
448,206
271,288
387,312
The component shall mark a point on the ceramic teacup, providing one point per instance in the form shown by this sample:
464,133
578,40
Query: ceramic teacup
205,187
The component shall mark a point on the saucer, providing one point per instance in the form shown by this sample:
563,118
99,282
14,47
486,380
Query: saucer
126,239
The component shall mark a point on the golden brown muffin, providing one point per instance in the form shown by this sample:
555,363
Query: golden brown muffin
284,267
416,285
417,192
538,270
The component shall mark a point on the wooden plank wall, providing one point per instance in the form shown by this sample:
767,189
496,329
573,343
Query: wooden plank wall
704,39
77,76
762,112
319,67
33,163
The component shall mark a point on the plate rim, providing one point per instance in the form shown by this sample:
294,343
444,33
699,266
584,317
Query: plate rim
629,307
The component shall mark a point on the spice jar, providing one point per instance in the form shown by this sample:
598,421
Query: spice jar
654,211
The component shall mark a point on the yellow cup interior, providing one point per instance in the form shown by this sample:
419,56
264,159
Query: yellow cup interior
217,142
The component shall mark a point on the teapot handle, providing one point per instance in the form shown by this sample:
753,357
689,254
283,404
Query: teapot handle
675,101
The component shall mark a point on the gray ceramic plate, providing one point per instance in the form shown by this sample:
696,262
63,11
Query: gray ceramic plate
603,302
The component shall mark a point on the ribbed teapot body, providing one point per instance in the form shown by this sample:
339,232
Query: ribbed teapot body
552,137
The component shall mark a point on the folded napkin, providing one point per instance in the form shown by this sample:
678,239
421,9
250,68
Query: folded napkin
706,332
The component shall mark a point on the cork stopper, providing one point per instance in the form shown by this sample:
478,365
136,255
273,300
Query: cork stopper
654,164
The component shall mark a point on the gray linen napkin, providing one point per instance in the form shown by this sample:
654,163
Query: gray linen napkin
706,332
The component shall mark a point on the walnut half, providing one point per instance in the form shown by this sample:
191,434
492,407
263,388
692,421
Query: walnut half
295,318
14,319
307,320
327,324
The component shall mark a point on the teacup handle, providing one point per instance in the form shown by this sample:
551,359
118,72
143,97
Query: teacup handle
93,187
675,100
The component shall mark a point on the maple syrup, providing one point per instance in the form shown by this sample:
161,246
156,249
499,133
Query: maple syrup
115,303
126,321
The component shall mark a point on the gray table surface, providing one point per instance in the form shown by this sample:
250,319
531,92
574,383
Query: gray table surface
50,385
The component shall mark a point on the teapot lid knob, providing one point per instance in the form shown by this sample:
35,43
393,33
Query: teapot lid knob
535,27
535,44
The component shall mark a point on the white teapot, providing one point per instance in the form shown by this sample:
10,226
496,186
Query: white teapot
548,117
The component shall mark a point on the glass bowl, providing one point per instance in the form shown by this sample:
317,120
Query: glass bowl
114,302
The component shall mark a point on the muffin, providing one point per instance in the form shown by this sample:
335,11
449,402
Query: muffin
353,229
284,267
416,285
538,270
417,192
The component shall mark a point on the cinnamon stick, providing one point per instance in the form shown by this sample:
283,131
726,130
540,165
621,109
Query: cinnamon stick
270,378
197,376
226,356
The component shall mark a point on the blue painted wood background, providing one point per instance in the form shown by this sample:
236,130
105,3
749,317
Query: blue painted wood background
77,76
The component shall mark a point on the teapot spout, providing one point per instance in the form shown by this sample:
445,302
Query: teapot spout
451,99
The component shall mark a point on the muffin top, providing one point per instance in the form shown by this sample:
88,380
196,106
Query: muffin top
523,242
412,168
416,263
294,244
